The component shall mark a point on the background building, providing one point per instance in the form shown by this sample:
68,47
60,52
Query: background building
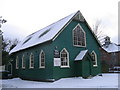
110,55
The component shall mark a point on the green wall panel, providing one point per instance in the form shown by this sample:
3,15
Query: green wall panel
64,40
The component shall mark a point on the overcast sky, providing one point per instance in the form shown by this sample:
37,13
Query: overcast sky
27,16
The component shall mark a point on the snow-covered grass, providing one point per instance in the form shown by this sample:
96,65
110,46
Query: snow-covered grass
105,81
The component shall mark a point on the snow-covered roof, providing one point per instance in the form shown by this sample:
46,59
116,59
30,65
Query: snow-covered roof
81,55
48,33
112,47
43,35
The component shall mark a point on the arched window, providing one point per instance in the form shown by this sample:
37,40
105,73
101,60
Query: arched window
79,38
17,62
94,56
64,55
23,61
31,61
42,59
9,67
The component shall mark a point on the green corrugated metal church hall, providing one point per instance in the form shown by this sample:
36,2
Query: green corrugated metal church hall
66,48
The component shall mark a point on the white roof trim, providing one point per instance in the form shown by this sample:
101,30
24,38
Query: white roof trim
48,33
81,55
42,36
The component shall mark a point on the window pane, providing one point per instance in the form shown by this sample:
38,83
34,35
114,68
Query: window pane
79,36
17,62
32,60
42,64
42,59
64,58
23,61
94,58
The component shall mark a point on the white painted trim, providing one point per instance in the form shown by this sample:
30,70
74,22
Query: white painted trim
73,35
80,14
95,65
40,59
30,61
65,66
61,30
95,58
66,25
93,33
23,58
67,57
17,62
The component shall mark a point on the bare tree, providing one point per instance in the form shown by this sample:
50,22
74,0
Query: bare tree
1,22
7,45
13,43
98,32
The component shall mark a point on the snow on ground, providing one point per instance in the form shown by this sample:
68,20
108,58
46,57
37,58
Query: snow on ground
105,81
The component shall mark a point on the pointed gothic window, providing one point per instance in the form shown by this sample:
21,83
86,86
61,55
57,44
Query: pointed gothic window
31,61
79,38
17,62
42,59
64,58
94,56
23,61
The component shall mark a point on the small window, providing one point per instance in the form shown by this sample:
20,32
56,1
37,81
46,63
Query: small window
27,40
42,59
79,38
94,56
64,58
23,61
31,61
17,62
45,32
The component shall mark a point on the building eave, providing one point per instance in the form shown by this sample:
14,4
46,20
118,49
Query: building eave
93,34
64,26
30,47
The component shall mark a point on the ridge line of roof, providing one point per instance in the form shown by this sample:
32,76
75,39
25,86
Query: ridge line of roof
52,23
64,26
18,48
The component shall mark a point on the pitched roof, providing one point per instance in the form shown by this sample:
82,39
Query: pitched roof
112,47
42,35
81,55
46,34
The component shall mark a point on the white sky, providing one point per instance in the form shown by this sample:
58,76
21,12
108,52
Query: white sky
27,16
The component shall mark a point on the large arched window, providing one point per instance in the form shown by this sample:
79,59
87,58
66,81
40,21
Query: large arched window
64,55
31,60
94,56
42,59
79,37
17,62
23,61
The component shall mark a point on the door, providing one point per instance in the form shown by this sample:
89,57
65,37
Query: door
86,68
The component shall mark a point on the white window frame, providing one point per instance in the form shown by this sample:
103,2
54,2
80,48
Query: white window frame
40,61
84,36
95,65
17,62
68,66
30,61
23,62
